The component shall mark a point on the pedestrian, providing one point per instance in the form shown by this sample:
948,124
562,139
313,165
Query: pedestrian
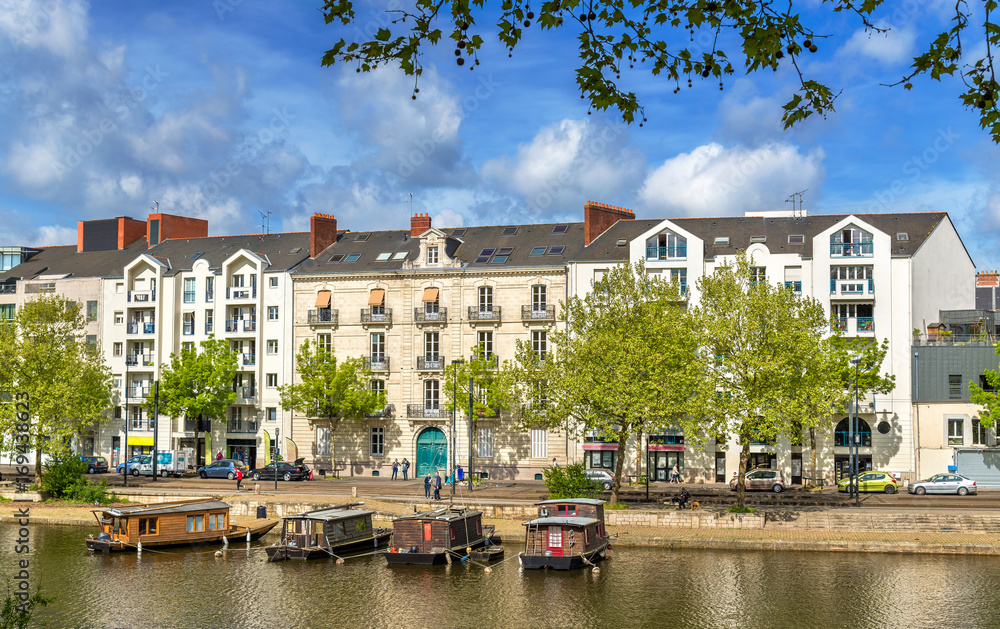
218,457
395,468
427,486
675,474
554,464
406,467
437,485
239,479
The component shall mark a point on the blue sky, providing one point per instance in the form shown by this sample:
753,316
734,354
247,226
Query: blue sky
221,109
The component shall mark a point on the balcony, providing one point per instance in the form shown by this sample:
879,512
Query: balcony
492,361
249,325
209,327
189,327
8,289
430,363
385,412
142,296
666,253
245,395
132,360
426,410
538,312
852,288
795,286
861,324
240,292
249,360
245,426
323,316
484,314
140,327
232,325
852,249
377,363
189,296
376,315
422,315
138,424
488,413
137,392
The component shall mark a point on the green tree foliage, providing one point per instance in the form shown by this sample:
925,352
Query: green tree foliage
987,398
197,384
624,365
771,369
330,389
570,482
679,40
64,478
16,613
45,355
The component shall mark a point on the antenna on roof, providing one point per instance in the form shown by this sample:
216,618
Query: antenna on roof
156,206
796,212
265,221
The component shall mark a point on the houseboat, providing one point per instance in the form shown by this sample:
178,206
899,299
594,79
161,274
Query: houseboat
567,534
436,537
327,533
203,521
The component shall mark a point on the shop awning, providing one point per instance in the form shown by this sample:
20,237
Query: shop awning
600,446
669,448
377,298
140,441
323,299
430,295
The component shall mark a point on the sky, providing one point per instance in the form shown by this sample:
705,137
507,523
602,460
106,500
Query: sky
221,109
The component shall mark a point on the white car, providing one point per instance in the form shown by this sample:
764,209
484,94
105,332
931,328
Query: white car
602,476
944,484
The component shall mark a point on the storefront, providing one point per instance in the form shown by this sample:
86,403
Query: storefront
139,445
242,450
665,451
600,455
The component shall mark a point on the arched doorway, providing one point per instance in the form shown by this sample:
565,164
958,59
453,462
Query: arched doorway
842,439
432,451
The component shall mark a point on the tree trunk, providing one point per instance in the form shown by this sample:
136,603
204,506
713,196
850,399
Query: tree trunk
812,447
38,464
617,483
741,487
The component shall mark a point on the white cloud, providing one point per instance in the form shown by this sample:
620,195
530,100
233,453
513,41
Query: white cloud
447,218
713,180
58,28
52,235
895,45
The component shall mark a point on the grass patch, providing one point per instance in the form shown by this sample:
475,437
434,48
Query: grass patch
735,509
615,506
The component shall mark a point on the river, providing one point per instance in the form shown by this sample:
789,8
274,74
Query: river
637,587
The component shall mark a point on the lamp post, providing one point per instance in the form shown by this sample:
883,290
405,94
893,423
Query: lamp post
125,456
454,413
855,420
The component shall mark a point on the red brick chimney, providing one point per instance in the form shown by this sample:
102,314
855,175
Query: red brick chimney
322,233
419,223
598,217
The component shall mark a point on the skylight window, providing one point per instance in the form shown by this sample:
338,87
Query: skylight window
722,240
509,231
556,251
796,239
197,255
499,260
758,239
485,255
902,236
296,250
383,256
560,229
622,242
458,233
352,258
337,257
505,251
361,237
399,256
538,251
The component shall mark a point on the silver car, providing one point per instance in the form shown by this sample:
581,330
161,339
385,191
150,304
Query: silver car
944,484
601,476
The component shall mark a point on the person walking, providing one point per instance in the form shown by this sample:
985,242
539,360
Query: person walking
405,466
427,486
395,468
675,474
239,479
554,463
218,457
437,485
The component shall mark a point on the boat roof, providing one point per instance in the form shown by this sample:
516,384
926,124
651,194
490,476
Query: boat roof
568,520
445,515
576,501
330,513
186,506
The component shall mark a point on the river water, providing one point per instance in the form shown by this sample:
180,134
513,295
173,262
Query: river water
637,587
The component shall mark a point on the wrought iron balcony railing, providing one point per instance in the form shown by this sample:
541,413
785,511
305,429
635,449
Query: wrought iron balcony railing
323,315
241,426
422,315
484,314
426,410
376,315
377,363
430,363
538,312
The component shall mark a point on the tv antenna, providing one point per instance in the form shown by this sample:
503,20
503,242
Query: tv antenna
155,207
265,221
797,212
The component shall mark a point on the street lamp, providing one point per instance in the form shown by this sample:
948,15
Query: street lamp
454,413
855,421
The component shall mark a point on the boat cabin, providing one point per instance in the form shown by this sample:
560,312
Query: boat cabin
165,523
438,531
572,527
334,524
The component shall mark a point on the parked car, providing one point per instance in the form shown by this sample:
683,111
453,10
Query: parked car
284,470
944,484
95,464
223,468
762,479
134,461
872,481
601,476
136,467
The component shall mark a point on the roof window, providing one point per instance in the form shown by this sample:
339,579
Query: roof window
296,250
509,231
622,242
337,257
721,240
197,255
458,233
361,237
758,239
485,255
538,251
400,255
555,251
352,257
560,229
902,236
382,257
796,239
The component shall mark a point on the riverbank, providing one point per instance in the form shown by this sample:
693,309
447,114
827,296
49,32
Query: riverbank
832,530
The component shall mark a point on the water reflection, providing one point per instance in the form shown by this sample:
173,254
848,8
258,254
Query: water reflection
635,588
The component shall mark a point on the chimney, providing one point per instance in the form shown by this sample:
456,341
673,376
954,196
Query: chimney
598,217
322,233
160,227
419,223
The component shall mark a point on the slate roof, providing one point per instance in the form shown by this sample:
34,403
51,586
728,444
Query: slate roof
278,249
65,260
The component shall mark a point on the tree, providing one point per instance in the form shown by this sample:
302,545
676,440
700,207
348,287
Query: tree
771,369
198,385
68,386
680,40
487,399
330,389
986,398
624,365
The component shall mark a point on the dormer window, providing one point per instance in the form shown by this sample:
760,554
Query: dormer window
666,246
851,242
432,255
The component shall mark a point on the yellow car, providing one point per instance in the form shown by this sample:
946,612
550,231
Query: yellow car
872,481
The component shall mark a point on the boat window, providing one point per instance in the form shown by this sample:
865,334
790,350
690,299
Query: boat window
586,537
147,526
566,510
216,521
195,523
453,531
338,529
360,524
555,537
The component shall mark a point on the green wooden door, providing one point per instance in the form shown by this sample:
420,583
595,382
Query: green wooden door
432,452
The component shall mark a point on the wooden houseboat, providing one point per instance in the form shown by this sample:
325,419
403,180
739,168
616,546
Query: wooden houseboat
327,533
436,537
567,534
203,521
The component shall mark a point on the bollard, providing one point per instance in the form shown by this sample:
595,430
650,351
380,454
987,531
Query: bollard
354,492
256,488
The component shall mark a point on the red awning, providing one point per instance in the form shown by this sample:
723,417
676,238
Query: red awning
600,446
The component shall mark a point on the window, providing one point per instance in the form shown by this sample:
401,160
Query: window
978,433
217,521
271,380
238,281
758,239
92,340
378,387
539,343
758,274
556,251
555,537
566,510
272,414
119,317
560,229
272,313
538,297
189,290
955,387
721,241
337,257
187,346
272,346
195,523
432,393
273,282
432,255
382,257
902,236
484,441
431,345
209,321
485,298
378,346
147,526
400,255
796,239
509,231
116,349
324,342
209,288
955,427
354,257
91,311
484,256
538,251
484,338
376,439
539,443
502,255
7,312
323,440
985,385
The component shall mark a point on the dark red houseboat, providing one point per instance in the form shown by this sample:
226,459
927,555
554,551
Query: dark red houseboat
567,534
436,537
